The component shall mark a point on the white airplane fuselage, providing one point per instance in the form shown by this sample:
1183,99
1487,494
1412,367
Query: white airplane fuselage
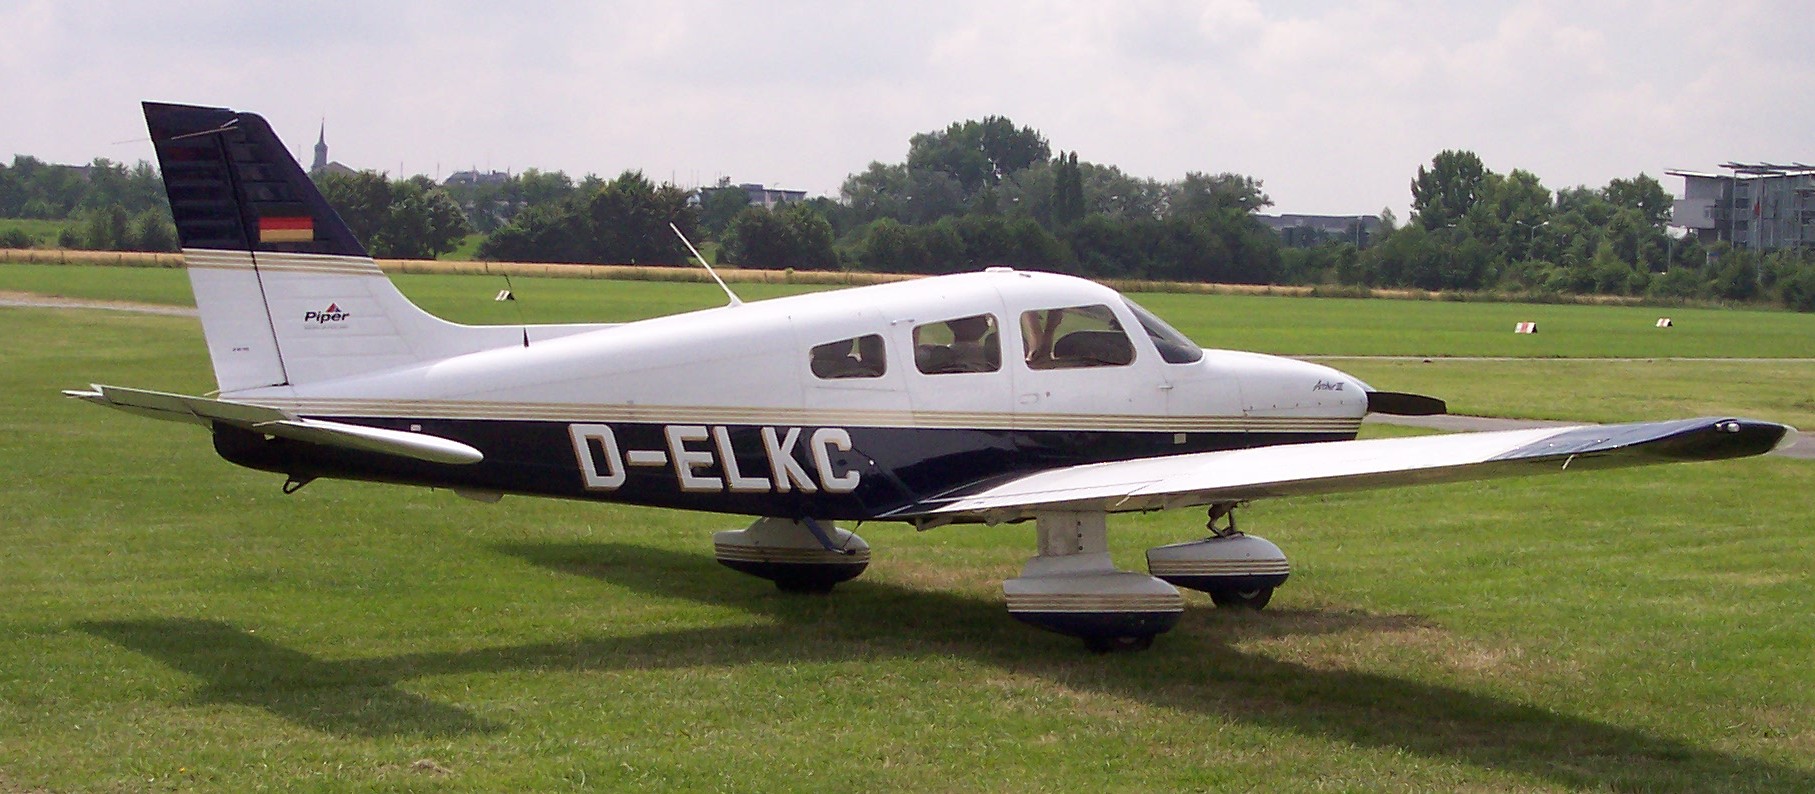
726,410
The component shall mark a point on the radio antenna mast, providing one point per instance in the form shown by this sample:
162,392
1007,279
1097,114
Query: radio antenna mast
709,270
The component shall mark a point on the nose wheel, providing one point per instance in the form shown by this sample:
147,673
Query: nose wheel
1237,571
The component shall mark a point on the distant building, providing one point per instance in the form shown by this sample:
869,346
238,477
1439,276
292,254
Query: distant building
767,198
321,165
1300,231
1762,206
476,177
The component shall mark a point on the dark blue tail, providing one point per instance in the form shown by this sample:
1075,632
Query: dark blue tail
234,187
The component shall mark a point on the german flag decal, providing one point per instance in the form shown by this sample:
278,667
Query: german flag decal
291,229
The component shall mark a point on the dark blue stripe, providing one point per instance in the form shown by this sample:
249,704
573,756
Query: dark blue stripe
898,466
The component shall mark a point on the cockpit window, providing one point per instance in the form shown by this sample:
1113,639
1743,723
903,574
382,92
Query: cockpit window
861,357
1074,337
1174,347
965,344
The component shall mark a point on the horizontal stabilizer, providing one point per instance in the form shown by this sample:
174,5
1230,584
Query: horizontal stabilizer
1336,466
1402,404
282,424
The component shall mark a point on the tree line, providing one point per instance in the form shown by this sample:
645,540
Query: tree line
990,192
108,205
1476,230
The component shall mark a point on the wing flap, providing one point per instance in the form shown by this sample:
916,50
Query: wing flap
1337,466
274,422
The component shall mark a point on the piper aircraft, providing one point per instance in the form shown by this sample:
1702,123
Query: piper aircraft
990,397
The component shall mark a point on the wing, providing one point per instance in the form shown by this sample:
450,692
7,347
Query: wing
273,422
1335,466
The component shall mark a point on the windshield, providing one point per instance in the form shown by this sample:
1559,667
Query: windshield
1173,346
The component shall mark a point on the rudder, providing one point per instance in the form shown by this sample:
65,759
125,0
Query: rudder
287,295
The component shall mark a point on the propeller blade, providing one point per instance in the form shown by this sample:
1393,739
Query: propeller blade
1402,404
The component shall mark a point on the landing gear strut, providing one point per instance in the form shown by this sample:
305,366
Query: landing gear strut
1072,588
1236,570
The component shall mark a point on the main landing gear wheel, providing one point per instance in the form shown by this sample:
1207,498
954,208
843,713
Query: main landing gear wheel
1072,588
1101,644
1238,571
798,556
803,584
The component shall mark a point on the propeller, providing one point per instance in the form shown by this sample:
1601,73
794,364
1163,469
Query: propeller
1403,404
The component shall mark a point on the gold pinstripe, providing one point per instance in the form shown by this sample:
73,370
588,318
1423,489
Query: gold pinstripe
743,553
1063,602
741,415
281,263
1217,567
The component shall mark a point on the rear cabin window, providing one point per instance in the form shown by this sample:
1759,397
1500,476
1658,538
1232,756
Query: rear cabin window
859,357
1075,337
964,344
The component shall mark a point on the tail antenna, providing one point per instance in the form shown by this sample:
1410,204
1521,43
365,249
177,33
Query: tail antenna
510,294
696,255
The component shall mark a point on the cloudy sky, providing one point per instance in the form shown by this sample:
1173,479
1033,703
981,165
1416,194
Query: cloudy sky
1333,105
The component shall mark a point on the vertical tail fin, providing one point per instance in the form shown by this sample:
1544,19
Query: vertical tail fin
287,296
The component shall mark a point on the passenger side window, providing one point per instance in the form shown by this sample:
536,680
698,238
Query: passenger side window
966,344
1074,337
861,357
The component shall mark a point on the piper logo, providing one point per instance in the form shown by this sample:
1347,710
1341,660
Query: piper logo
332,314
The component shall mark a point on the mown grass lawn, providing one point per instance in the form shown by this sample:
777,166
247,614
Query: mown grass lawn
171,622
43,232
1269,324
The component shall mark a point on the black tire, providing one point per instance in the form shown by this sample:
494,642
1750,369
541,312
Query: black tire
1255,599
809,586
1139,642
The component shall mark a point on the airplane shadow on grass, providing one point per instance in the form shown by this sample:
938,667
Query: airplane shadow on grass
1196,669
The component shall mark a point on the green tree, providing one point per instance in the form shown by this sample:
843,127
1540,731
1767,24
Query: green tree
423,222
1515,215
887,246
152,230
1068,191
1110,192
408,219
977,154
625,220
362,199
758,238
811,235
1199,194
1443,194
718,206
546,233
1643,194
881,191
1591,204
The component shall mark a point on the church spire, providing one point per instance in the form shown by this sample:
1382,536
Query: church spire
321,149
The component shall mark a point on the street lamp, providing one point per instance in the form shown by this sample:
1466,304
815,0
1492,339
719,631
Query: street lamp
1531,234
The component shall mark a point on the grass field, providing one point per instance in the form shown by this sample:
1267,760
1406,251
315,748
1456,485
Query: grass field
170,622
466,250
1272,324
43,231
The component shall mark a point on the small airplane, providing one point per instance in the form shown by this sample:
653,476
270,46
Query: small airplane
989,397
